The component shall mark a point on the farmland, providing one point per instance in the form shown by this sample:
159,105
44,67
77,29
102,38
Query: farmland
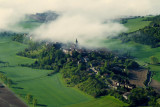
110,101
8,99
138,77
49,91
140,52
156,85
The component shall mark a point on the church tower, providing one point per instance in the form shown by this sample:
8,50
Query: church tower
76,43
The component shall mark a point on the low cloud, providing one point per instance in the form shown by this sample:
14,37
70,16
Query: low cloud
87,20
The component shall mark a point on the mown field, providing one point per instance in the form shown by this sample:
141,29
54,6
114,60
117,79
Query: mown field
49,91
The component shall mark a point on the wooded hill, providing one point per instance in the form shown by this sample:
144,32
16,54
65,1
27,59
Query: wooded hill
149,35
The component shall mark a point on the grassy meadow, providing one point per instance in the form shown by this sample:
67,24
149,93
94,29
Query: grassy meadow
136,24
142,53
8,50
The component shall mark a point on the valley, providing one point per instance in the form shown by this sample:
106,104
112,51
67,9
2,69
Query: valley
53,91
50,91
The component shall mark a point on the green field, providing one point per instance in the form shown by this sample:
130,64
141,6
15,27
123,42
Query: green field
51,91
136,24
142,53
106,101
8,50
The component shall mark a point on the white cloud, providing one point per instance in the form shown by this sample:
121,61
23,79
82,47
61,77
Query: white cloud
82,19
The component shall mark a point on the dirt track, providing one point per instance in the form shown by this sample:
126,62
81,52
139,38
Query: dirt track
8,99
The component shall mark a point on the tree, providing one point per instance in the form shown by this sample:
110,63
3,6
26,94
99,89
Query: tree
29,98
4,79
9,82
138,97
133,65
154,60
34,102
81,66
106,64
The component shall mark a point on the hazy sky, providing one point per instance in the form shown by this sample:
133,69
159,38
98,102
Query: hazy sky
82,19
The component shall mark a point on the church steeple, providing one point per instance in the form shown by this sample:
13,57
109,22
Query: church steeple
76,43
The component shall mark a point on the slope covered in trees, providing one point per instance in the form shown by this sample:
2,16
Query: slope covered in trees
148,35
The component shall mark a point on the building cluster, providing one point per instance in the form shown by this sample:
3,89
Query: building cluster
116,84
93,67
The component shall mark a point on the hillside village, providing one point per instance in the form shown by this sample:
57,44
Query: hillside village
112,68
97,72
92,53
94,68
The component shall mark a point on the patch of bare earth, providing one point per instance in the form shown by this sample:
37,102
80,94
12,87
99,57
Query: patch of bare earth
156,85
8,99
137,77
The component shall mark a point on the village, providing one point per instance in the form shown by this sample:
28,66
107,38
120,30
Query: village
93,67
119,65
95,71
